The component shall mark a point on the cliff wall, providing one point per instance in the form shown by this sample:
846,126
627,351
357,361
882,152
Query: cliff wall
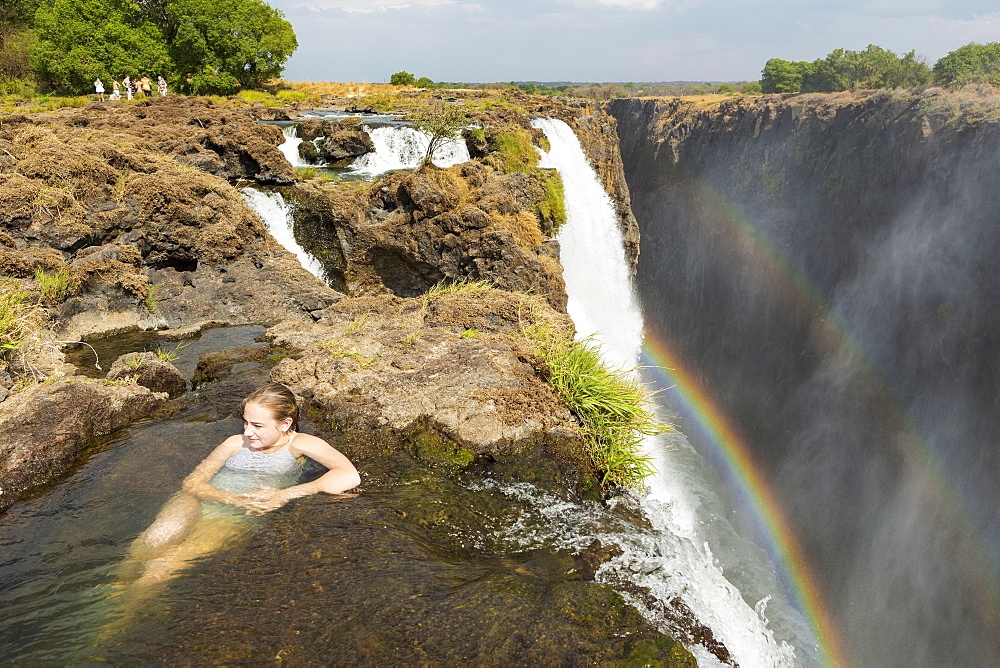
826,265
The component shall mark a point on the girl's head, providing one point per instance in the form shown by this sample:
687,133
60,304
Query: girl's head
278,400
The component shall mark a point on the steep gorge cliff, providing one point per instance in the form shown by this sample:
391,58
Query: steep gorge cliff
827,266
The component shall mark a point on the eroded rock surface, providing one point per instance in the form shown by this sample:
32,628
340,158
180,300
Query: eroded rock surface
451,375
409,231
334,142
148,242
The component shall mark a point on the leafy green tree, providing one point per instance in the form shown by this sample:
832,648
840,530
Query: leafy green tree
227,44
424,82
207,45
18,12
842,69
781,76
15,38
751,88
80,40
402,78
972,63
443,126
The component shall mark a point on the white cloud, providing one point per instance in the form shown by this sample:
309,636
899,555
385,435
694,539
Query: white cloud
635,5
641,5
380,6
983,28
904,7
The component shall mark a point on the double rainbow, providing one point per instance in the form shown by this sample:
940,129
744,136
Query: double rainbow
735,461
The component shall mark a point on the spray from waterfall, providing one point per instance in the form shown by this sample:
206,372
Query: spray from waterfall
277,216
673,561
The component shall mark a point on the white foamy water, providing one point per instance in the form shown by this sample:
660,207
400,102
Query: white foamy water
277,215
402,147
290,147
673,559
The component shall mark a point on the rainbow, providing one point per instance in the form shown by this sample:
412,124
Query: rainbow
731,450
735,462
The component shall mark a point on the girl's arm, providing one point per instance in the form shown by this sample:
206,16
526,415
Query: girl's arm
196,484
341,475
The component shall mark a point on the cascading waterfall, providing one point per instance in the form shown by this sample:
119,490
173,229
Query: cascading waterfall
675,559
277,215
401,147
290,147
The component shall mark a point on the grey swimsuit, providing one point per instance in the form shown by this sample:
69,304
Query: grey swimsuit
248,469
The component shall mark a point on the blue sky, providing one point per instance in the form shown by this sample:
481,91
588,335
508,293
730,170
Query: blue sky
611,40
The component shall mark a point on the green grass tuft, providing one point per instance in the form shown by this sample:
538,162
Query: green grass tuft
457,288
513,151
165,355
56,287
614,410
552,207
20,319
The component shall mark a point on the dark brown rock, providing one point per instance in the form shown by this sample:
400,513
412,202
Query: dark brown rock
342,141
152,243
409,231
346,144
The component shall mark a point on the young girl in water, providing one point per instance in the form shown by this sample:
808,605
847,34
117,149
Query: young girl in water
247,474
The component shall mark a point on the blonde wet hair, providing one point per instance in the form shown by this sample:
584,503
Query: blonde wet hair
278,399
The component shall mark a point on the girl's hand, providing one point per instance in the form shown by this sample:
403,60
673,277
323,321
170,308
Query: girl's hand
263,499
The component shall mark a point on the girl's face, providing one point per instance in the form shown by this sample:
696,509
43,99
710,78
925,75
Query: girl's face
260,429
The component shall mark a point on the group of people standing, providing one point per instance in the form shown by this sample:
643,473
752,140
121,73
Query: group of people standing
130,88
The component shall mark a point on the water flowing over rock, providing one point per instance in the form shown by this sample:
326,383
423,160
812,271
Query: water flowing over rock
340,141
402,147
437,394
149,241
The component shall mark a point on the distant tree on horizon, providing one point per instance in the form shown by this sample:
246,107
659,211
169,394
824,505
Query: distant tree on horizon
972,63
402,78
842,69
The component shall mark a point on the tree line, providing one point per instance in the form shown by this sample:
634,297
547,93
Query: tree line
200,46
876,67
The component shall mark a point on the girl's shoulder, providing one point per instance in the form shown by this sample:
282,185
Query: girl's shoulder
232,444
306,442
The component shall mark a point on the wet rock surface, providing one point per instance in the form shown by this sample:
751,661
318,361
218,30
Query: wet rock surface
429,394
402,576
437,377
53,425
334,142
107,197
